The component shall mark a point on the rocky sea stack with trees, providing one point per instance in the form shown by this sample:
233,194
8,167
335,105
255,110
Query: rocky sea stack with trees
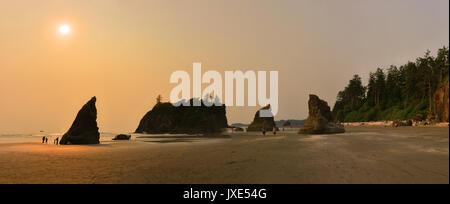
167,118
84,129
415,90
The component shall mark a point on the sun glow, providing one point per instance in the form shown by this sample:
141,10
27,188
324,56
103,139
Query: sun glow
64,29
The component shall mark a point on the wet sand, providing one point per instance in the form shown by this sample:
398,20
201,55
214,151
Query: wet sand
362,155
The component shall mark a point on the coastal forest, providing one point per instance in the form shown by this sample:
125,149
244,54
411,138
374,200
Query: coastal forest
396,93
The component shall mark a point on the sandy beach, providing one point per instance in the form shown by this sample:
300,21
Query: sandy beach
361,155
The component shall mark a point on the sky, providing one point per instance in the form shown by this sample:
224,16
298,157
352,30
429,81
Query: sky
124,51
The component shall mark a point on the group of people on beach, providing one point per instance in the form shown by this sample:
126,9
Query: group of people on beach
45,140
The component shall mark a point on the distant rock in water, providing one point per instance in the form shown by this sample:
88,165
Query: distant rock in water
84,129
262,122
122,137
441,102
290,123
287,124
239,125
320,119
166,118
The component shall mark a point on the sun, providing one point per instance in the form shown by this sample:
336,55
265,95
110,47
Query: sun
64,29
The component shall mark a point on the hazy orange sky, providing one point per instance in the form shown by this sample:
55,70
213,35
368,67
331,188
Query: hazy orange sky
124,51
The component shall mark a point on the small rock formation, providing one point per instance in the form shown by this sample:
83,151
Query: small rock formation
441,103
167,118
262,122
122,137
238,129
84,129
320,119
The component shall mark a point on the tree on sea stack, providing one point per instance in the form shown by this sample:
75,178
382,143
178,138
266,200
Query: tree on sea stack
159,99
84,129
320,119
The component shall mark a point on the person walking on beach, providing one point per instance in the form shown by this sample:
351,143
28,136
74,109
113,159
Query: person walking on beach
57,140
46,140
43,140
263,132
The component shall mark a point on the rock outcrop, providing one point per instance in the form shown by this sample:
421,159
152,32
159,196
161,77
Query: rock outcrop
84,129
441,103
167,118
320,119
122,137
262,122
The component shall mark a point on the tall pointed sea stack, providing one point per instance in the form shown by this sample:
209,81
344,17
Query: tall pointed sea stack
320,119
84,129
259,122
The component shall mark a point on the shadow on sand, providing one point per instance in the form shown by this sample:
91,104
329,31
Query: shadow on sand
185,137
182,138
172,141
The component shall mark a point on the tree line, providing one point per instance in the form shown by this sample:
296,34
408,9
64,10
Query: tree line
394,93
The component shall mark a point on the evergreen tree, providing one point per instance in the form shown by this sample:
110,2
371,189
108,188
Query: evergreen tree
380,87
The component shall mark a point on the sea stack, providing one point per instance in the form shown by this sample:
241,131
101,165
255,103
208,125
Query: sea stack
320,119
268,123
84,129
167,118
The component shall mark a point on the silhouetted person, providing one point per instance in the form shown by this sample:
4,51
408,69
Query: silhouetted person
46,140
43,140
57,140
